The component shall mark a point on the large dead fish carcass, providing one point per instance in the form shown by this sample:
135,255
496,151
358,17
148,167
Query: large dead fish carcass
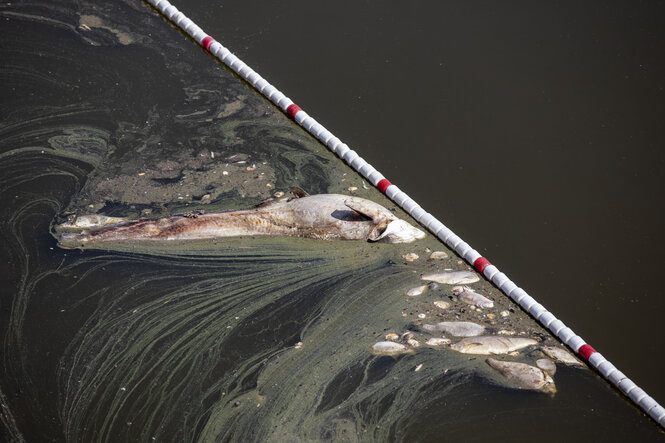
323,216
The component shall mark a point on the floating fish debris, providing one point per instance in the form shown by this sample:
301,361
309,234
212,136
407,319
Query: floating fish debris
452,277
438,255
457,328
467,295
413,342
437,341
416,291
561,355
441,304
389,348
491,344
411,256
524,376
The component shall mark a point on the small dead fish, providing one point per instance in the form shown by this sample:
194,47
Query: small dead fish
561,355
437,341
457,328
389,348
524,376
491,344
452,277
416,291
438,255
441,304
467,295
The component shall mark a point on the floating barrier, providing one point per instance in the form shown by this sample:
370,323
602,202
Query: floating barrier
482,265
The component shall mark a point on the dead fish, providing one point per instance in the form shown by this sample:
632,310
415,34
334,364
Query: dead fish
89,221
324,216
389,348
561,355
524,376
467,295
491,344
457,328
437,341
452,277
416,291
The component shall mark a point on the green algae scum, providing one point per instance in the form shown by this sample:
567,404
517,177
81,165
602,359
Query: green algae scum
236,339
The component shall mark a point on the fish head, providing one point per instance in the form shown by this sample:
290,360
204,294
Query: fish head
387,227
395,231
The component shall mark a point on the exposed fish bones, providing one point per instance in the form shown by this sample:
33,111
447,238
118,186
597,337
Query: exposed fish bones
324,216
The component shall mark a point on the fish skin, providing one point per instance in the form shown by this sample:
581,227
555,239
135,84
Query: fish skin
457,328
524,376
469,296
491,344
452,277
323,216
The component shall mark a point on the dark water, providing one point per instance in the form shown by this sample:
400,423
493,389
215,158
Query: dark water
108,108
534,131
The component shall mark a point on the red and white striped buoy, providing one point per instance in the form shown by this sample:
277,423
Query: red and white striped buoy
500,280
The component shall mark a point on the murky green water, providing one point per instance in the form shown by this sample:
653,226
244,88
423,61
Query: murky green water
109,109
